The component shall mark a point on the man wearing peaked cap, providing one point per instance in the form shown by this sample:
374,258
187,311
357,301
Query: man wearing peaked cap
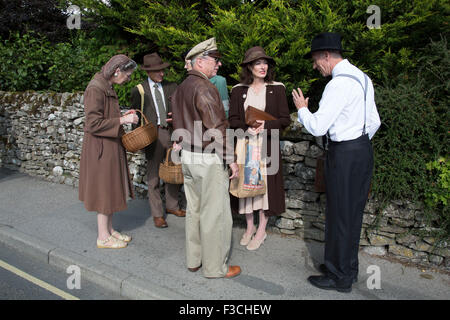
205,48
157,109
198,113
348,116
219,81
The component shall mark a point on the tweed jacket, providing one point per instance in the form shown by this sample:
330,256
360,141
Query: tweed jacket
149,105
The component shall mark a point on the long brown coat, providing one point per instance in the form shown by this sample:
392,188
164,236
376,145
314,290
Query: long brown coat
276,105
104,176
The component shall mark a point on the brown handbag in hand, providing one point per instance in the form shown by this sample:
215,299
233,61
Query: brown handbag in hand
252,114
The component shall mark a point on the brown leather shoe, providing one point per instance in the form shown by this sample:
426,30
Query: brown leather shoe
160,222
178,213
233,271
195,269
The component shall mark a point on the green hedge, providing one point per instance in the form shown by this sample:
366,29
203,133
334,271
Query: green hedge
31,62
414,110
284,28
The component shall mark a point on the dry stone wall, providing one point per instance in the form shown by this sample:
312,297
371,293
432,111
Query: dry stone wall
41,134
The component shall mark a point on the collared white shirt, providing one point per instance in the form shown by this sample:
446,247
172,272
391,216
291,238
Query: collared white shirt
151,83
341,108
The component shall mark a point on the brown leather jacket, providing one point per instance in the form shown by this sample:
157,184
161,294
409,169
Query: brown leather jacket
197,108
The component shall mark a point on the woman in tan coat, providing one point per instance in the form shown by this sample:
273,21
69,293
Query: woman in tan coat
105,182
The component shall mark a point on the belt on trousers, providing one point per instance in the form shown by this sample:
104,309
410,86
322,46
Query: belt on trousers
363,138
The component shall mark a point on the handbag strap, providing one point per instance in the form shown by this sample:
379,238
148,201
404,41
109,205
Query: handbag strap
142,93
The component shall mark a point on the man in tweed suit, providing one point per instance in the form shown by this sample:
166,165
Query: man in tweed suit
157,109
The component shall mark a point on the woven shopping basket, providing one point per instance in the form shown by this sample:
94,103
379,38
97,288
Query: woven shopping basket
170,172
140,137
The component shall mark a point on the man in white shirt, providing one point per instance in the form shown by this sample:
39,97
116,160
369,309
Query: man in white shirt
348,115
157,109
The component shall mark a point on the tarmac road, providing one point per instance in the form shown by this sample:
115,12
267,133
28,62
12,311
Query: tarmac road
23,277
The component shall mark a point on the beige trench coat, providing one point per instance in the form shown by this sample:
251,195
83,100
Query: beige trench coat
105,182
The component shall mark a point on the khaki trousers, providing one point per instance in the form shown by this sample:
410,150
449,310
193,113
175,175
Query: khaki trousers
153,161
208,214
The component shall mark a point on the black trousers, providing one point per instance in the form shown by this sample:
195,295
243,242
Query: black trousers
348,172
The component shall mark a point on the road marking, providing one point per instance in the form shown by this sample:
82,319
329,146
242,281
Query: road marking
37,282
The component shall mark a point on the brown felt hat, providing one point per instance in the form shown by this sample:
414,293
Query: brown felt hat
254,54
153,62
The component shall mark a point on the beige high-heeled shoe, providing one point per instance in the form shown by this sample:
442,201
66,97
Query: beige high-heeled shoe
255,244
246,238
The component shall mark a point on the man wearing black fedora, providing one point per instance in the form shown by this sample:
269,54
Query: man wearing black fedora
348,116
157,109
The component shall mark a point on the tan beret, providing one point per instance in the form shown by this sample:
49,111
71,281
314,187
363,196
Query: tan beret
205,48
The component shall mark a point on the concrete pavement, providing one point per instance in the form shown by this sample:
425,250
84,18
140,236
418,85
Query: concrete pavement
47,221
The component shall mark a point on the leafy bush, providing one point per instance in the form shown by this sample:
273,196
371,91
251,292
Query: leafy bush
74,63
24,60
31,62
406,140
283,28
414,112
414,133
439,194
437,197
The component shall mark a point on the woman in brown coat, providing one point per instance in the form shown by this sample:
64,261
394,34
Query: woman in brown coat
257,89
105,183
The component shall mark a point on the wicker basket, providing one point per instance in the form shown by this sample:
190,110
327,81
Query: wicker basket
170,172
140,137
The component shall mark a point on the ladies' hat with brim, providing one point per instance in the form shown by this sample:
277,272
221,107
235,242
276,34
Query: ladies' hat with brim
153,62
254,54
325,41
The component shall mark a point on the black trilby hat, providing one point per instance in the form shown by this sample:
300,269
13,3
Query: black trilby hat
325,41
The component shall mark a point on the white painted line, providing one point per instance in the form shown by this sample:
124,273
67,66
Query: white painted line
37,282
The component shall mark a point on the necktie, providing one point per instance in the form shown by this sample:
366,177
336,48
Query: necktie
161,109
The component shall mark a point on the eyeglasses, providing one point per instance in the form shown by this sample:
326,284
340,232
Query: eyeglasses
216,60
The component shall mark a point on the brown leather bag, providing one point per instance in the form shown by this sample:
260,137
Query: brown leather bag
319,182
252,114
